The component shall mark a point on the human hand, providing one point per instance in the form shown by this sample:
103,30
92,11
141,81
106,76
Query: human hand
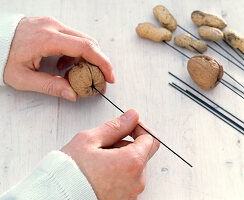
42,37
114,167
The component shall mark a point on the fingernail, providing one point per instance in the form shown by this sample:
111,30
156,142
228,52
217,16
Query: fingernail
129,115
69,94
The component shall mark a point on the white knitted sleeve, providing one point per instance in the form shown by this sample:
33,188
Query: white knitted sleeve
56,178
8,24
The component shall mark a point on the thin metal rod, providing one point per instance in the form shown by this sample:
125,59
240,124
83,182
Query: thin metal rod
144,128
212,48
205,97
192,98
233,79
233,49
165,145
216,111
176,49
232,86
231,89
228,53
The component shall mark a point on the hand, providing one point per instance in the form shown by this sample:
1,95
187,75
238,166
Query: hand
42,37
114,167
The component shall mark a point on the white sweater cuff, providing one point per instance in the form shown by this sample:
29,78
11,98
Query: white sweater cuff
8,24
56,178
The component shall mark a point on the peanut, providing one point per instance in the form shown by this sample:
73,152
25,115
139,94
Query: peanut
205,71
202,18
185,40
210,33
234,39
164,17
151,32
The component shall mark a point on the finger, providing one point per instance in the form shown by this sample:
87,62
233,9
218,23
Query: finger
121,143
66,61
113,131
66,75
70,31
144,142
80,47
48,84
104,89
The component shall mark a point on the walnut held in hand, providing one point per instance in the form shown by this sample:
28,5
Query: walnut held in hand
202,18
83,77
205,71
164,17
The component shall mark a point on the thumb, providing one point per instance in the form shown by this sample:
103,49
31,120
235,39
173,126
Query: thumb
48,84
113,131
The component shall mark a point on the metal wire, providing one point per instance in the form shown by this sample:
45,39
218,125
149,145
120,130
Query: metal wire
205,97
143,128
206,106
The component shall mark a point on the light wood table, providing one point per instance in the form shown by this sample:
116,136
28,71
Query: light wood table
31,124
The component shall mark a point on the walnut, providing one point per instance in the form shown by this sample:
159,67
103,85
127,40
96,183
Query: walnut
205,71
83,77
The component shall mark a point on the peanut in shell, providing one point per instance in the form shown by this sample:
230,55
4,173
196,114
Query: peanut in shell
150,31
210,33
186,41
234,39
201,18
164,17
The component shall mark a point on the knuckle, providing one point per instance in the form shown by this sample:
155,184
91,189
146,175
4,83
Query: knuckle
49,88
88,44
94,41
44,35
48,20
115,125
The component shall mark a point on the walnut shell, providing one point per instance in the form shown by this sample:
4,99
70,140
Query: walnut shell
202,18
205,71
83,77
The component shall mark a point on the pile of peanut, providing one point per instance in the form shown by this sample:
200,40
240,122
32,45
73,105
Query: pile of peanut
211,26
204,70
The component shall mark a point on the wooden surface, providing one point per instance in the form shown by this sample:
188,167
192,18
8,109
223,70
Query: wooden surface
33,124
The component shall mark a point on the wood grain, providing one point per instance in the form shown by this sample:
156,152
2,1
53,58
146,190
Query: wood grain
33,124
